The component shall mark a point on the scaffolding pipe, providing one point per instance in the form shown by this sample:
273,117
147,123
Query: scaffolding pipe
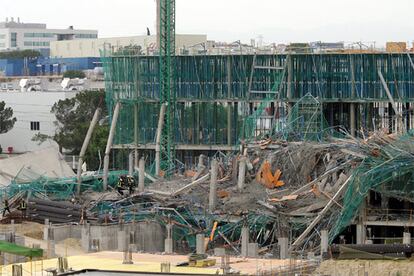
394,105
85,147
158,139
109,144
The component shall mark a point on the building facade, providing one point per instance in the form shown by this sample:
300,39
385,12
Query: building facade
16,35
93,47
32,111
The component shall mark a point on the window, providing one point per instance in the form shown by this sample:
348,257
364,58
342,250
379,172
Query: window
34,126
86,36
39,35
13,40
2,36
37,43
2,45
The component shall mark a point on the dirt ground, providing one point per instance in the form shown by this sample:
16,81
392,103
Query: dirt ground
366,267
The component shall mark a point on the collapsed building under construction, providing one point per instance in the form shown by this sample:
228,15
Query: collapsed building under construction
257,154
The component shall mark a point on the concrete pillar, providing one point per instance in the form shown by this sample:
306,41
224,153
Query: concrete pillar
244,241
46,230
324,241
131,163
85,147
360,234
213,186
109,145
51,249
141,176
352,119
13,229
168,243
283,247
85,237
253,250
122,241
200,247
242,173
407,238
158,140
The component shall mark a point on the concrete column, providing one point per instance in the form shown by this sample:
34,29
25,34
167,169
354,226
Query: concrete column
352,120
109,145
131,163
407,238
51,249
213,186
244,241
46,230
360,234
141,176
85,237
283,248
158,140
242,173
136,134
85,147
253,250
200,247
168,243
122,241
324,241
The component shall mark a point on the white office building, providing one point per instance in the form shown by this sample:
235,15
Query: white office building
32,111
16,35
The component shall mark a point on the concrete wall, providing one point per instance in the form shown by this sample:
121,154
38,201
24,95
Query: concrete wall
92,47
149,236
30,107
61,233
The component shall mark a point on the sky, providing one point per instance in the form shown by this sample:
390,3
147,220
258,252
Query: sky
280,21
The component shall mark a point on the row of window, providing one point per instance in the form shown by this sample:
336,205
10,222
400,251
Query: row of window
39,35
2,36
86,36
2,45
37,43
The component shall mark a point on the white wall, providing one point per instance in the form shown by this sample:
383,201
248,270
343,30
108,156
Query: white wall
92,47
30,107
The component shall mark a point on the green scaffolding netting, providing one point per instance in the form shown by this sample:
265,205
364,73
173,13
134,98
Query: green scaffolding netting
15,249
388,170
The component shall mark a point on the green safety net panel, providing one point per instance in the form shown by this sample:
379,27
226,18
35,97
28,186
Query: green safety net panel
15,249
390,172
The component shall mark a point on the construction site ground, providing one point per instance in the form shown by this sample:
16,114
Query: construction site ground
362,267
112,261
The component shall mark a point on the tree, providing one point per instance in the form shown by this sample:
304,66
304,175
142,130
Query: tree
6,119
73,117
74,74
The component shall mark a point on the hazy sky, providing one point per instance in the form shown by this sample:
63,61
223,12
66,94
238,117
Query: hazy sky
230,20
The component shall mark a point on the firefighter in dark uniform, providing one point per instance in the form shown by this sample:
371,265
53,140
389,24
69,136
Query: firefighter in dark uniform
131,184
6,206
121,184
23,208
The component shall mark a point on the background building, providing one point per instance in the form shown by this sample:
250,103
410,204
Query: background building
32,111
16,35
92,47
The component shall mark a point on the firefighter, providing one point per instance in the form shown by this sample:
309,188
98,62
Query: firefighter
23,208
131,184
120,185
6,206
